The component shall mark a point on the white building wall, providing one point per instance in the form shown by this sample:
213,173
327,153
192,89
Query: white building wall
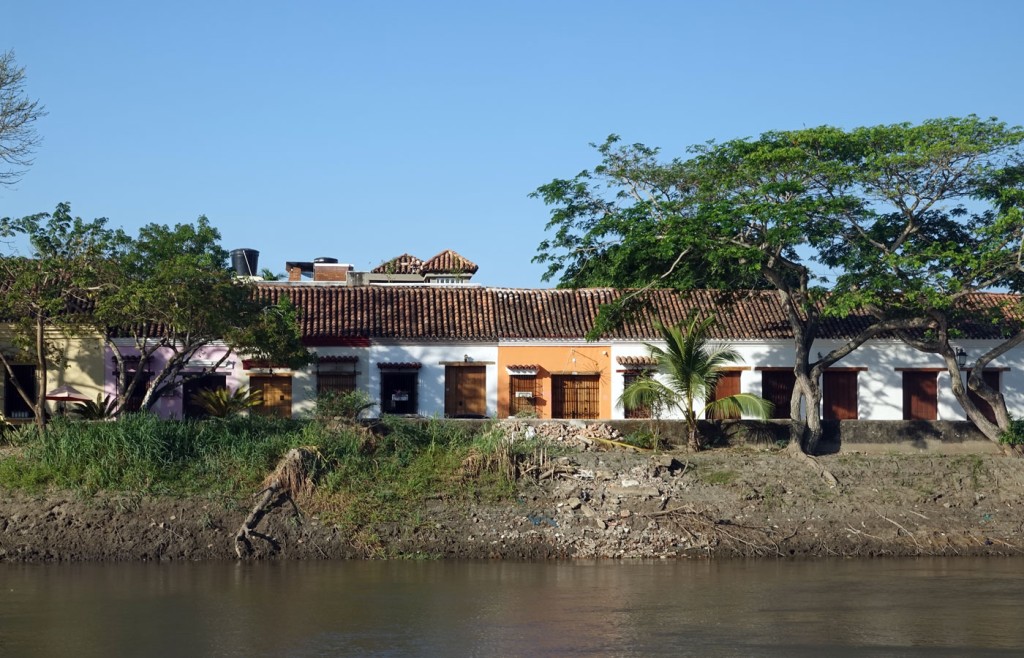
880,384
304,380
431,374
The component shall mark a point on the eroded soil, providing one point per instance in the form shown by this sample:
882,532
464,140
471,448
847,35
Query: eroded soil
593,504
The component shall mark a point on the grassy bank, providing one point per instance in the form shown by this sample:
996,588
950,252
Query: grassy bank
363,475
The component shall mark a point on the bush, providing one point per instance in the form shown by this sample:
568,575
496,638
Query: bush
349,406
1015,435
222,403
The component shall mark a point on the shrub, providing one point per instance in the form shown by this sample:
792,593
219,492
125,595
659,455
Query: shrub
349,406
1014,436
102,409
222,403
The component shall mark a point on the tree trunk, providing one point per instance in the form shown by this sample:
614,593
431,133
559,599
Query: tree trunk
692,435
40,402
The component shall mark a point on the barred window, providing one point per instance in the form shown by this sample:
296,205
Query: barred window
522,394
336,375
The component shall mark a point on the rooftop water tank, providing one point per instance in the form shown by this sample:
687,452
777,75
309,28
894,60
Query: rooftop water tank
245,261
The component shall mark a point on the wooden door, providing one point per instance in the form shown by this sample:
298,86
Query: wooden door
465,391
277,396
839,396
777,388
920,395
575,396
728,385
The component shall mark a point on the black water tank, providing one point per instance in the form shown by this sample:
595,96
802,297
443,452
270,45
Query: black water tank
324,260
244,261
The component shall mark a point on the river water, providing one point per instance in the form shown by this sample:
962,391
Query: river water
932,607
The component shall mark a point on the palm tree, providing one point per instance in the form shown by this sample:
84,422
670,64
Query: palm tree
692,370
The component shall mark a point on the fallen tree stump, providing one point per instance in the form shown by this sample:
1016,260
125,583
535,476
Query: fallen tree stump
289,481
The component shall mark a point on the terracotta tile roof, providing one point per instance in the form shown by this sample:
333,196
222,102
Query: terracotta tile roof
399,365
447,262
529,369
404,264
637,361
335,314
395,311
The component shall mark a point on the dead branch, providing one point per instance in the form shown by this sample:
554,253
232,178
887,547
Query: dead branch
290,480
905,531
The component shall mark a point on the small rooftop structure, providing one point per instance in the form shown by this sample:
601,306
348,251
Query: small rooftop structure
446,268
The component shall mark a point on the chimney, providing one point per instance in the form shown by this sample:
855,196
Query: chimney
329,269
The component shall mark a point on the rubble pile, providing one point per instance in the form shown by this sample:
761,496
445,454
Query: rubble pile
576,434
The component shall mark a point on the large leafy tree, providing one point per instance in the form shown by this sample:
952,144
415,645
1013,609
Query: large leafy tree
942,220
691,369
746,213
46,292
173,294
18,115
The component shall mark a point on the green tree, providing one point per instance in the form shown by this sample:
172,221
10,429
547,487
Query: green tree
748,213
942,221
172,296
692,369
47,292
18,115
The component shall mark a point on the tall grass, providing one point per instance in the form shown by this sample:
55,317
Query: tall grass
142,453
380,474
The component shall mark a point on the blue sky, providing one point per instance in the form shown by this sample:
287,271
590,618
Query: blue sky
365,130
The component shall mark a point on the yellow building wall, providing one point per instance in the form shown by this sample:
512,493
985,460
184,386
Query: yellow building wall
78,362
81,365
582,359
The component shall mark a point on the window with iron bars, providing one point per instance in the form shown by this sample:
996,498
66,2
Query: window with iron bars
522,395
337,377
628,378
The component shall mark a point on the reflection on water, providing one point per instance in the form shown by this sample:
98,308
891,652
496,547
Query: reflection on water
878,608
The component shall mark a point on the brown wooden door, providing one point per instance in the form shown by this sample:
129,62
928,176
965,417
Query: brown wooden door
728,385
277,396
575,396
840,394
465,391
777,388
920,395
991,378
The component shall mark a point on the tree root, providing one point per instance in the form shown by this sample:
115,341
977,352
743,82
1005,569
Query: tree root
290,480
796,453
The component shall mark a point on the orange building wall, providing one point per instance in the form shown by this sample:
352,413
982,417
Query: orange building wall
551,359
